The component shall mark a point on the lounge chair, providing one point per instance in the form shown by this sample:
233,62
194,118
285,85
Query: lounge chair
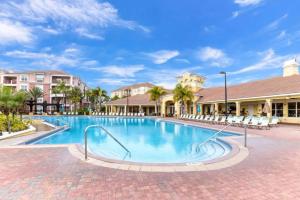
230,119
264,123
216,120
206,118
238,121
274,121
246,121
254,122
223,120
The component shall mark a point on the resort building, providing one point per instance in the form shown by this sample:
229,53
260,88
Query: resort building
132,90
133,98
45,80
276,96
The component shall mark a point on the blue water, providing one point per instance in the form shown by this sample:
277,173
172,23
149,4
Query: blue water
148,140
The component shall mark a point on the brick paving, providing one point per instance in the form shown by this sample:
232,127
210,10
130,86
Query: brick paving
271,171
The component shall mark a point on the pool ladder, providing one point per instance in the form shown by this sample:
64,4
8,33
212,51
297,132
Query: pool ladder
211,138
108,133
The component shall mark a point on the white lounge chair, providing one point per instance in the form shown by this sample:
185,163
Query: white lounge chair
264,123
238,121
254,122
222,120
216,119
274,121
246,121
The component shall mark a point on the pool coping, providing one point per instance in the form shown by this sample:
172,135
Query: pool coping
237,154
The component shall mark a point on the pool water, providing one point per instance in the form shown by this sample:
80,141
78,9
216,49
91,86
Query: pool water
149,140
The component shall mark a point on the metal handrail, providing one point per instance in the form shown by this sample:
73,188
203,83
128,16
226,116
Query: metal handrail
212,137
108,133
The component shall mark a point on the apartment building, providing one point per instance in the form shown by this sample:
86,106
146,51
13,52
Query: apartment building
132,90
45,80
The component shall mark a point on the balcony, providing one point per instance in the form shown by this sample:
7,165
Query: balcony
57,80
10,80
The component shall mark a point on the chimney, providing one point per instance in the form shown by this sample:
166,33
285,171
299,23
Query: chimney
290,68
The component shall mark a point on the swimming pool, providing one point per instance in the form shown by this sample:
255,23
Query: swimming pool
149,140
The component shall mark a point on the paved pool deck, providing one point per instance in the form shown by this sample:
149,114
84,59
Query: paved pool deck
271,171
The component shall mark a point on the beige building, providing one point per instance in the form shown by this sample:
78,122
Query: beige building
132,90
277,96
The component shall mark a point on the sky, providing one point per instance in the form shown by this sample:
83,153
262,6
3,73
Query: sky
114,43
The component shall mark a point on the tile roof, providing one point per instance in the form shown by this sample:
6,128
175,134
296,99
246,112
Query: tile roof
140,99
135,86
260,88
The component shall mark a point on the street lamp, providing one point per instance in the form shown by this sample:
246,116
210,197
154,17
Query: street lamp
127,94
226,106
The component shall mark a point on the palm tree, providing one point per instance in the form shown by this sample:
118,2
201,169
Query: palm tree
18,102
155,95
63,89
182,95
10,102
115,98
36,93
75,96
100,96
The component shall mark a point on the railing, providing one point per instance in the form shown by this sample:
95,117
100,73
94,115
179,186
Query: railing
212,137
108,133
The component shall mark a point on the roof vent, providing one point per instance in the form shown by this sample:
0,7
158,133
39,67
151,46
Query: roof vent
290,68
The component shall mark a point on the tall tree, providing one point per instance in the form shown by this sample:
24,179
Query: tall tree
36,93
182,95
63,89
100,96
75,96
155,95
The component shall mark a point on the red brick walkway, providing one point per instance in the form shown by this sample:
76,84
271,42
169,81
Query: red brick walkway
272,171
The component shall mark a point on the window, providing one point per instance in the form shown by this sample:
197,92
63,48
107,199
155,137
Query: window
24,87
24,78
277,109
39,78
294,109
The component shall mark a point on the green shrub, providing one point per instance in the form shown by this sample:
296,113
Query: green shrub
16,123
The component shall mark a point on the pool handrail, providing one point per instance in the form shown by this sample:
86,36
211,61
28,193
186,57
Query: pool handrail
212,137
108,133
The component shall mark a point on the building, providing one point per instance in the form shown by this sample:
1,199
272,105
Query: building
45,80
133,98
276,96
140,88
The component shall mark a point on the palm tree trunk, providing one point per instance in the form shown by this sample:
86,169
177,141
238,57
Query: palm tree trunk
8,123
156,108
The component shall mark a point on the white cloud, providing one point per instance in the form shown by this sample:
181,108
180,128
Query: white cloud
183,60
45,59
85,16
244,3
85,33
216,57
269,61
115,82
162,56
235,14
281,35
121,71
14,32
275,24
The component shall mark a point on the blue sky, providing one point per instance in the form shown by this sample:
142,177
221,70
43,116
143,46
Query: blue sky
115,43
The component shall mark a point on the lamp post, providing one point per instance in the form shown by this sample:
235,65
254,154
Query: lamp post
127,94
226,105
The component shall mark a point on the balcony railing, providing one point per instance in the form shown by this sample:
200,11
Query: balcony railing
10,81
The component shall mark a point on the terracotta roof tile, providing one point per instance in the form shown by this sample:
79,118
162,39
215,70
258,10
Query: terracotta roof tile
260,88
140,99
